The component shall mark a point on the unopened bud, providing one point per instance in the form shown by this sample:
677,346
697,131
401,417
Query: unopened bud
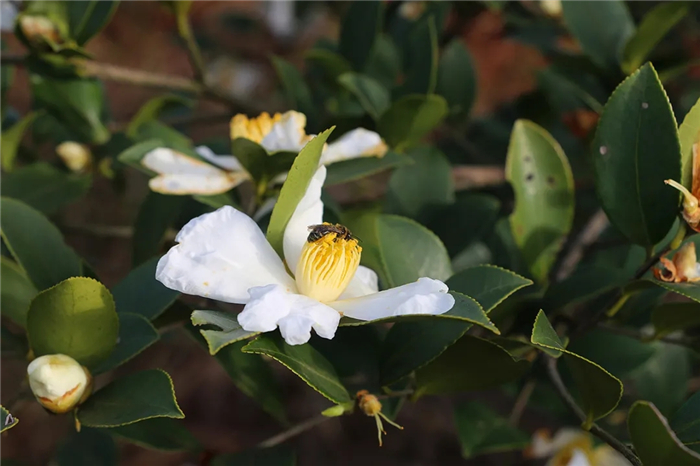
368,403
76,156
59,382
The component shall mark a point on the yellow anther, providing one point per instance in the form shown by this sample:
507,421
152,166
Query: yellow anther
254,129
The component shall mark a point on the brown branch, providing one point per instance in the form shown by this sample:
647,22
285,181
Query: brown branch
477,176
521,402
590,233
596,430
293,431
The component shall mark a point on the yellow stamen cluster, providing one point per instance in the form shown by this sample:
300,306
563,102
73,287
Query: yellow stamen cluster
370,405
326,266
254,129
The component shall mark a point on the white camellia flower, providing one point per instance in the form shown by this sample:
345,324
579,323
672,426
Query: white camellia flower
59,382
181,174
572,447
224,255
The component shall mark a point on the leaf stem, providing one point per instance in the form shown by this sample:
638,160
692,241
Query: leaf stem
184,27
595,429
293,431
521,402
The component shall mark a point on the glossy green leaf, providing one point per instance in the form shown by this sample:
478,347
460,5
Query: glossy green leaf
230,332
164,434
487,284
384,63
135,397
599,390
88,18
294,188
425,183
295,88
671,317
44,187
332,64
654,441
152,109
8,420
76,318
539,172
602,29
635,149
470,364
355,169
16,291
134,154
586,282
156,214
421,69
689,134
373,97
654,26
261,166
89,447
11,139
410,119
76,103
140,292
135,335
686,421
457,78
169,137
305,362
482,431
281,455
359,29
37,245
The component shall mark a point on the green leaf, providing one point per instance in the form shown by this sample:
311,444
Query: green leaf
88,18
425,183
281,455
602,29
411,118
487,284
635,149
261,166
355,169
305,362
539,172
134,154
140,292
654,441
136,397
37,245
169,137
586,282
296,90
482,431
75,318
11,139
457,78
689,134
600,391
422,66
231,331
373,97
152,110
468,365
76,103
671,317
360,27
16,291
44,187
384,62
654,26
135,335
164,434
89,447
413,342
332,64
686,421
156,214
8,420
294,188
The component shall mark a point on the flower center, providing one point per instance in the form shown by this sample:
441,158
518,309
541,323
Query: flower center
254,129
329,260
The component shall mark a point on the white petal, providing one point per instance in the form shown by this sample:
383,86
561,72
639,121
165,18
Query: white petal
288,134
359,142
221,255
579,458
295,315
605,455
180,174
363,283
308,212
424,296
543,445
227,162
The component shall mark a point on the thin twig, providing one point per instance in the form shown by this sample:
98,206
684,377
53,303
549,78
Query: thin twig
521,402
293,431
195,55
477,176
574,407
589,235
680,340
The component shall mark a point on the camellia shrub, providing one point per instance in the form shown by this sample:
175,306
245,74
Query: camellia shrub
359,228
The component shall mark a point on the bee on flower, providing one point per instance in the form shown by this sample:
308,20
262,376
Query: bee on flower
181,174
224,255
